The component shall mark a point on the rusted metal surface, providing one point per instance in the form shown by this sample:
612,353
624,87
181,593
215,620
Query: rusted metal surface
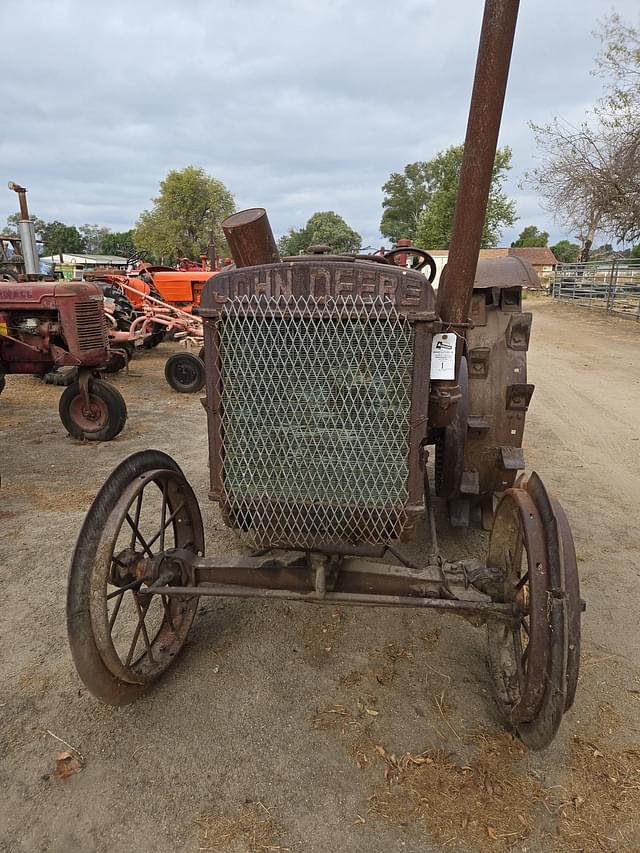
498,392
22,199
505,272
250,237
487,99
486,611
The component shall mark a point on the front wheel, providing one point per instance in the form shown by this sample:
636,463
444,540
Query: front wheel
185,372
121,639
104,417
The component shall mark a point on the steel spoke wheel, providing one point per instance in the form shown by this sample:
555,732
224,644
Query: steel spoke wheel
122,640
519,653
534,661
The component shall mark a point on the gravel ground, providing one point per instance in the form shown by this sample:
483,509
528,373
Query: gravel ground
322,729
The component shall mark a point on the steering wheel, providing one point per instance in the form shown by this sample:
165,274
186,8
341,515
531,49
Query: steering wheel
426,259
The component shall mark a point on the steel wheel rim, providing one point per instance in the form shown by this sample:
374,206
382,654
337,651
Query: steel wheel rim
519,654
149,653
93,421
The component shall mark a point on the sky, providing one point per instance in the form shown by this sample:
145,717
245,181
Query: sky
296,105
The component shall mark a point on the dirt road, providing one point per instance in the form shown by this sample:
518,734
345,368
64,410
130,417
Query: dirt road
316,730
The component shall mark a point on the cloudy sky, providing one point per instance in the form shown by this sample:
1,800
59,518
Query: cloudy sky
296,105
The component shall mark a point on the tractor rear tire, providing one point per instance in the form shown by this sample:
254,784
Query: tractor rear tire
3,382
106,417
184,372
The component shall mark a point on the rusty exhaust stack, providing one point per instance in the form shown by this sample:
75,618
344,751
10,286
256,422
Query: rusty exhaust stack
250,238
485,113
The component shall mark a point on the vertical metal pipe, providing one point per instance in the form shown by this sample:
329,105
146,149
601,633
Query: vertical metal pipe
250,238
485,113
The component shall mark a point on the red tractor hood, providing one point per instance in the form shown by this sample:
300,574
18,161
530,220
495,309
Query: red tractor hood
44,294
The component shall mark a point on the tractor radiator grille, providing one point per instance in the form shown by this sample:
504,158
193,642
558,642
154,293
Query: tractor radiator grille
90,326
316,407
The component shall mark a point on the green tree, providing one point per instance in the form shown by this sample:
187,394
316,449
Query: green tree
436,221
12,224
530,236
190,204
566,252
405,197
59,238
635,252
323,227
92,237
117,243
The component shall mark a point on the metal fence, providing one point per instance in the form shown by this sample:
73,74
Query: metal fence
613,286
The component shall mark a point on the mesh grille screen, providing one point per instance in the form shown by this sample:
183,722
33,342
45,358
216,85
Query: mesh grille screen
315,415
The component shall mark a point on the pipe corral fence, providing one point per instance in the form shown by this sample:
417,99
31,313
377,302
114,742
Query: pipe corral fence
613,286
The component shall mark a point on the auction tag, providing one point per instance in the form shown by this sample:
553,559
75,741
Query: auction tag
443,356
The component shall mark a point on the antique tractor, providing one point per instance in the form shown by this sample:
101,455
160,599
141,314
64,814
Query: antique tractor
327,380
47,324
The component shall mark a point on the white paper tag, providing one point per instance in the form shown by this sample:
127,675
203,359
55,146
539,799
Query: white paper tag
443,356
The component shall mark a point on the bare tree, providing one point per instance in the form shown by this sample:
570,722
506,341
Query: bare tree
589,175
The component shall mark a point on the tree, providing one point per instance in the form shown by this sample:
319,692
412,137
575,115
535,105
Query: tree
566,252
589,175
92,236
405,198
436,221
60,238
190,204
530,236
117,243
14,218
323,227
635,252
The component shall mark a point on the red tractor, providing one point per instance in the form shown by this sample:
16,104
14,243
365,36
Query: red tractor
46,324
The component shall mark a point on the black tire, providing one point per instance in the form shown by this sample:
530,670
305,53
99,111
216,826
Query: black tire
124,313
185,372
3,382
90,640
106,418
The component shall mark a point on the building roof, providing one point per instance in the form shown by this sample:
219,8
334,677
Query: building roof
102,260
540,256
537,256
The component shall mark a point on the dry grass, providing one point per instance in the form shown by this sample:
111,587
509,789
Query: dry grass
496,801
353,725
48,498
484,803
320,638
250,831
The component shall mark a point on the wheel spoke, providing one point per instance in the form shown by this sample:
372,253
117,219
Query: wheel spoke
136,533
167,612
523,580
116,609
134,526
160,532
162,514
141,617
120,589
142,612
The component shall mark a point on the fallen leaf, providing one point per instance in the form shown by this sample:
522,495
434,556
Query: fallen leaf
359,820
492,832
371,712
66,765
